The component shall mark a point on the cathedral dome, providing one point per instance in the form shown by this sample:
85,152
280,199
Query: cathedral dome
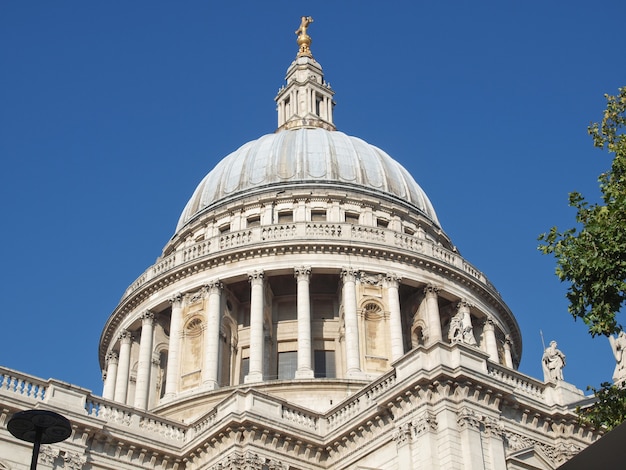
307,156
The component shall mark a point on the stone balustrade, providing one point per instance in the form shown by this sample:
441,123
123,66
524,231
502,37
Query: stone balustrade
521,383
21,384
25,391
311,232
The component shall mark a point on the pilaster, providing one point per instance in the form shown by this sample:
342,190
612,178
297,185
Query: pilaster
471,442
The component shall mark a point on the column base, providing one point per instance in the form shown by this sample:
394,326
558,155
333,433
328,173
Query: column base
210,385
253,377
305,374
355,374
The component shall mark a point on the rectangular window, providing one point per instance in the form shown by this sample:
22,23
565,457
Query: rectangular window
253,221
325,364
224,229
286,310
287,365
245,369
285,217
382,223
318,216
352,218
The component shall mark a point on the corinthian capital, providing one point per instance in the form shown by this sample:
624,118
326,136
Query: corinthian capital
147,317
256,276
177,300
214,287
302,273
112,357
392,280
349,274
431,289
125,336
489,325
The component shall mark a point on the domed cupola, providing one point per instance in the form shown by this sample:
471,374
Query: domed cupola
306,264
306,151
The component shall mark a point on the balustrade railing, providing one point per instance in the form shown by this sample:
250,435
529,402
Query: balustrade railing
22,384
310,231
519,382
299,417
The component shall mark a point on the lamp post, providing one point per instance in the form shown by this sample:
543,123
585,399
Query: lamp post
39,427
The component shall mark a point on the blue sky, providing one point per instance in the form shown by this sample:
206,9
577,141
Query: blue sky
112,112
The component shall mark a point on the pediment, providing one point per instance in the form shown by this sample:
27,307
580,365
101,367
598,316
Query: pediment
530,458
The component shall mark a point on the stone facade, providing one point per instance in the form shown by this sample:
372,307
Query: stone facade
308,313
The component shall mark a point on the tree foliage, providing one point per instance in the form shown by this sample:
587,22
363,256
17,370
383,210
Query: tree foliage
609,409
592,256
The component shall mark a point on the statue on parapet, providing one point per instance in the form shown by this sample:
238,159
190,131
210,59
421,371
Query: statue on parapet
552,363
618,345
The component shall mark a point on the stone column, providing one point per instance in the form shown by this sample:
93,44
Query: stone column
172,375
491,344
255,373
210,370
123,370
508,358
303,276
142,389
434,320
109,383
395,318
351,322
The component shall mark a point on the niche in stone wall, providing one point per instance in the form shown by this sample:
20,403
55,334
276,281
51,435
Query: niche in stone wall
375,337
228,347
191,357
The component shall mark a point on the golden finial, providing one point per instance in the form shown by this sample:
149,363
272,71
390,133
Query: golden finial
304,40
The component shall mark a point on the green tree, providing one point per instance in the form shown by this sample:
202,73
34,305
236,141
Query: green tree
591,257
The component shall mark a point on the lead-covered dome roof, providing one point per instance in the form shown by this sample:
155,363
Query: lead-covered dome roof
306,156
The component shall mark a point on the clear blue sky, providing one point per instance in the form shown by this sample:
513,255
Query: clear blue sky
112,112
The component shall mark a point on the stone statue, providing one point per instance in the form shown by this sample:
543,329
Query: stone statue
455,333
461,329
618,345
552,363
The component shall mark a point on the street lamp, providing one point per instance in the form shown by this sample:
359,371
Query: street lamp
39,427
